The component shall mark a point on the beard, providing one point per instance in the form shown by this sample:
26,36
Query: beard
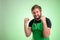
37,17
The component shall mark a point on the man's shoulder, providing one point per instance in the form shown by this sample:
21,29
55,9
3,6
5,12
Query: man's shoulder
47,19
32,20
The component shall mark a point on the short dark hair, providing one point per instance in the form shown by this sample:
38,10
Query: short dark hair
36,6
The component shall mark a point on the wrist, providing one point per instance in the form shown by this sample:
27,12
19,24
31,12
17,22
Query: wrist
43,20
25,24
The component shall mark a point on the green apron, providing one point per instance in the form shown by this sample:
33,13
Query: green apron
37,30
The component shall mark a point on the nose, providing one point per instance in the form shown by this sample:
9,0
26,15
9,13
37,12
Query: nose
35,13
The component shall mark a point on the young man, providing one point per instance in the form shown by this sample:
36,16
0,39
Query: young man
40,26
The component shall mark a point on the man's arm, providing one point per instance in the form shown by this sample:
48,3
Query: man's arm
26,28
46,29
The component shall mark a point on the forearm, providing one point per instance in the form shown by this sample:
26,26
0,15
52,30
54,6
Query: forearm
46,30
27,31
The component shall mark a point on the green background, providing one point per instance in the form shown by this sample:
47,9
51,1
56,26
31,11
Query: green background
13,13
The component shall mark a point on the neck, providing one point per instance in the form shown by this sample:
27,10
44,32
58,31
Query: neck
37,19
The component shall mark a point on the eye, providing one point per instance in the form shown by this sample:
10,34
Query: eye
33,12
36,11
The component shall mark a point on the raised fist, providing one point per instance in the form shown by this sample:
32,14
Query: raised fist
43,18
26,20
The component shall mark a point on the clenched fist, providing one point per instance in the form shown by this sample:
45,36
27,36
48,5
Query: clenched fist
26,20
43,18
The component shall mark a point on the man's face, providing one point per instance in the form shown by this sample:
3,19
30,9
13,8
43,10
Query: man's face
36,13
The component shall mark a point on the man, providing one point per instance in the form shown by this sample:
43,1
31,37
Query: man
40,26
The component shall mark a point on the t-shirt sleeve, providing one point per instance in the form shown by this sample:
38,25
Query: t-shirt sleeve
30,23
48,22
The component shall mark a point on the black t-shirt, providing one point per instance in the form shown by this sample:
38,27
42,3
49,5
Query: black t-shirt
47,21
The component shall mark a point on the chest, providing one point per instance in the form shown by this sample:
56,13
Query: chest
37,27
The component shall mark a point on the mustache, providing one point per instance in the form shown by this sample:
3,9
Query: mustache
38,17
